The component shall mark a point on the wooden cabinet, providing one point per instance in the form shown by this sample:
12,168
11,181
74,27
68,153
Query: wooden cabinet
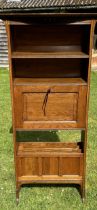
50,77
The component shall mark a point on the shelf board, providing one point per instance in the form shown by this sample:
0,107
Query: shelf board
60,54
86,22
58,81
51,179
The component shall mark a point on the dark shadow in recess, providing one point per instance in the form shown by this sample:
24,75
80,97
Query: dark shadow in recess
49,136
37,136
11,129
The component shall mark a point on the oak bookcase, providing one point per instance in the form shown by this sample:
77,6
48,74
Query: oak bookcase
50,64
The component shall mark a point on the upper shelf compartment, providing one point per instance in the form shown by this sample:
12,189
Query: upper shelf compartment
50,41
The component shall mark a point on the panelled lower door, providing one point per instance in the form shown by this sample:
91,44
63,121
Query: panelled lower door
56,107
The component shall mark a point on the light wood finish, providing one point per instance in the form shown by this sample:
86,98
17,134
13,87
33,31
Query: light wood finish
48,149
63,54
70,179
59,159
50,64
49,81
50,106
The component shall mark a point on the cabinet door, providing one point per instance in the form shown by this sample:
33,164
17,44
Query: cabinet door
55,107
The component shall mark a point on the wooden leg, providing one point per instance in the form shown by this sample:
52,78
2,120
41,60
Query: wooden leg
17,193
83,194
84,140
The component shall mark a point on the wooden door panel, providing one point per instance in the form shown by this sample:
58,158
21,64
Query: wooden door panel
62,107
50,166
59,106
28,166
70,165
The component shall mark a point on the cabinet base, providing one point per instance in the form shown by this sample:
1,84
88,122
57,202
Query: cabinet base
52,181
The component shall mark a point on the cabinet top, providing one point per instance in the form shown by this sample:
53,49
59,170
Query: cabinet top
47,6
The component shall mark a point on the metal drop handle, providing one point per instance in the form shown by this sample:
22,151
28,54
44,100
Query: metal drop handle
45,101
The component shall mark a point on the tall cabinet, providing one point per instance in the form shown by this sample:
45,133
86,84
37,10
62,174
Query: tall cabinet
50,64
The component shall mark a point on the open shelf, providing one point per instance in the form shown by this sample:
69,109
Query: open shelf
50,68
50,41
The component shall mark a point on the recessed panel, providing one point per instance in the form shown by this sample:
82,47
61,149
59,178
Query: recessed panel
54,106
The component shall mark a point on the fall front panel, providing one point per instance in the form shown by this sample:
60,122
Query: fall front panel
58,108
